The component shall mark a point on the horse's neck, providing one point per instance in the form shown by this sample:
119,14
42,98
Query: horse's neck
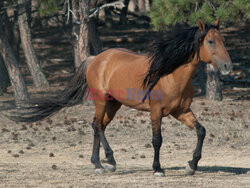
184,74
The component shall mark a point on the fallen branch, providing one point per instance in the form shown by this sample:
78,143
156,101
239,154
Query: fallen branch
94,11
69,11
98,9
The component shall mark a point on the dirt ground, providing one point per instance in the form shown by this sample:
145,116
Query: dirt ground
56,152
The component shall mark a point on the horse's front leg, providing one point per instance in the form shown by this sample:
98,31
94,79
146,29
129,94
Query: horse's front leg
189,119
157,141
192,165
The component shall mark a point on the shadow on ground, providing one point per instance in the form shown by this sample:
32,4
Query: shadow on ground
215,169
206,169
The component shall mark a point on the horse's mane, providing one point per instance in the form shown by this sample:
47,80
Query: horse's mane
179,48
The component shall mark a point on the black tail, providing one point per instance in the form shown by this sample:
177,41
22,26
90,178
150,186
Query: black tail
42,108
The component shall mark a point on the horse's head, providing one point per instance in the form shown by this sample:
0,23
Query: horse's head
212,49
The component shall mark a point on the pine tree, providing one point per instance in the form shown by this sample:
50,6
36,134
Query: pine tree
169,12
47,7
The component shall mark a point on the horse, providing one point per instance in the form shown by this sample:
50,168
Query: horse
159,83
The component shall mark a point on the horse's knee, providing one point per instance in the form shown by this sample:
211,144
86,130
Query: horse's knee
95,127
187,118
157,141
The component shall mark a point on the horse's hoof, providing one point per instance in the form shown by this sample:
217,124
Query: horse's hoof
99,171
109,167
159,174
189,170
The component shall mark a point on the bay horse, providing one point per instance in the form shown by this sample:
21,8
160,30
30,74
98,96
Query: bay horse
160,83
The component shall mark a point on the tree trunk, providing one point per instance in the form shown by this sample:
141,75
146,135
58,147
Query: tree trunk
17,81
75,32
213,91
32,61
16,36
36,20
93,34
12,32
4,77
28,8
200,78
7,28
84,36
142,5
108,15
94,38
123,16
135,5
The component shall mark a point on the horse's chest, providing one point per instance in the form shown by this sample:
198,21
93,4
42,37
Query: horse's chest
178,101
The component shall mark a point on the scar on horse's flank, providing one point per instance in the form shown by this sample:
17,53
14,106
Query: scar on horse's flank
169,69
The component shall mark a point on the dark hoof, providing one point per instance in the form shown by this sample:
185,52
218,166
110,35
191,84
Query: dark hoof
189,170
109,167
99,171
159,174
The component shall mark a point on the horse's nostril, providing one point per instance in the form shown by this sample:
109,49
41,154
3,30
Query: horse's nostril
225,66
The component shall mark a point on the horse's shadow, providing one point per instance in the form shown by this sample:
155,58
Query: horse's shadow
205,169
214,169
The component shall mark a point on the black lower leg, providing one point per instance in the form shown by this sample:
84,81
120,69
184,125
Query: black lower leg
201,133
107,148
95,159
157,141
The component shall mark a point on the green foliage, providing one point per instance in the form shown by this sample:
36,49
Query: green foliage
169,12
47,7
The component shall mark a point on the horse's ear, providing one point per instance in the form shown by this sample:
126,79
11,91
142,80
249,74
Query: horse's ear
217,23
201,25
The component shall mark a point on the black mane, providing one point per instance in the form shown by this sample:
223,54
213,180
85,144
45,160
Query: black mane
179,48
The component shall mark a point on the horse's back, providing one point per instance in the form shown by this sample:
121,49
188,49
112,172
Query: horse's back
117,61
117,72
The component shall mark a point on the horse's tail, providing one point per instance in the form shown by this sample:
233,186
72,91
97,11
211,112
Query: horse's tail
73,94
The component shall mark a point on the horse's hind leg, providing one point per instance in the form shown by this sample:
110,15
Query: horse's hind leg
95,159
111,108
105,111
189,119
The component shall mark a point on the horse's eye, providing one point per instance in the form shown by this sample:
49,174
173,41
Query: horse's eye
210,41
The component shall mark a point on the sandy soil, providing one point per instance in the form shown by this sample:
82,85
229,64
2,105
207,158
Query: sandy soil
56,152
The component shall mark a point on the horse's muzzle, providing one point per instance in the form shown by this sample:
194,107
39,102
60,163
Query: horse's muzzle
225,68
